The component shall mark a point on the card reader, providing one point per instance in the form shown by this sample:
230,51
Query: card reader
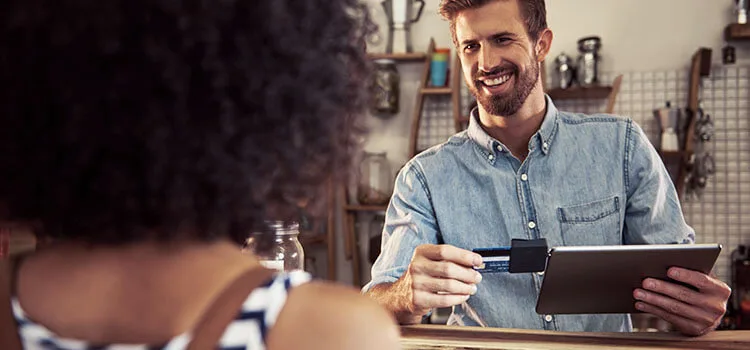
522,256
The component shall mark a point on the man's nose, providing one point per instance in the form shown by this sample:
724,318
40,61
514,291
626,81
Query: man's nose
488,60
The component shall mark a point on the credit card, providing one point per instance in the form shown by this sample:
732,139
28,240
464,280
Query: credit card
494,260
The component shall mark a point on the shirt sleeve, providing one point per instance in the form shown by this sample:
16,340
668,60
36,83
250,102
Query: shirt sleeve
409,222
653,214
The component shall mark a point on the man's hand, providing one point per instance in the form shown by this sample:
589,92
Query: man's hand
438,276
692,313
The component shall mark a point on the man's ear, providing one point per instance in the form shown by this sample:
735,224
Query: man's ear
543,44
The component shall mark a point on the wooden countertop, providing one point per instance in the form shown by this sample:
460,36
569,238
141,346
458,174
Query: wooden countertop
436,337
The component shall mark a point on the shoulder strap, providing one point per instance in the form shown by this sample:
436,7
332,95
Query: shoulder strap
8,339
225,307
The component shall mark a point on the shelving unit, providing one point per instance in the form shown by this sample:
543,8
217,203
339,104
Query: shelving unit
737,32
452,88
400,57
592,92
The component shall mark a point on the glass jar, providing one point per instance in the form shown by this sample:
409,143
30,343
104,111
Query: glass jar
375,182
280,249
385,88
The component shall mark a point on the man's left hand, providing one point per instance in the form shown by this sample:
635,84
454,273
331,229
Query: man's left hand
692,313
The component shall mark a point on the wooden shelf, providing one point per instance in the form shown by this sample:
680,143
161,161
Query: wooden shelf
365,207
312,239
400,57
436,90
577,92
737,32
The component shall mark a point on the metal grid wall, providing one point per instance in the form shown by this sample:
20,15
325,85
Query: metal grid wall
436,124
718,215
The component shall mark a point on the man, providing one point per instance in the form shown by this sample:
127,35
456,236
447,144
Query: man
525,170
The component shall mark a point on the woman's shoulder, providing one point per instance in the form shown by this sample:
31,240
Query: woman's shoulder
322,315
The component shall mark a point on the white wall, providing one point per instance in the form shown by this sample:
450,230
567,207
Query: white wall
637,35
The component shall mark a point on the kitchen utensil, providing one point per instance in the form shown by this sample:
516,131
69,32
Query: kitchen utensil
588,60
669,123
401,16
565,71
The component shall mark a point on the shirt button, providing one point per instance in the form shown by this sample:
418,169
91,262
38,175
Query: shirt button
524,177
490,157
532,224
540,273
545,145
548,318
499,148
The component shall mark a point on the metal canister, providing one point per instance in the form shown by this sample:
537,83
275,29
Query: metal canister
386,88
588,61
565,71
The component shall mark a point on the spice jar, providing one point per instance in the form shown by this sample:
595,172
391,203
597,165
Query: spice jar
279,249
386,88
375,181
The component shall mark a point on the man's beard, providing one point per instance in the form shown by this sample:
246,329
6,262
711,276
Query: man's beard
509,103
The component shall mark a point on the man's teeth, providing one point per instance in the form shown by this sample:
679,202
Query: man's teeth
497,81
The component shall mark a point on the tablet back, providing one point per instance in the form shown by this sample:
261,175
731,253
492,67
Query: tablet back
601,279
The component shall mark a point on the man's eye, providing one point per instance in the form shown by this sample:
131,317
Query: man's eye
502,40
471,47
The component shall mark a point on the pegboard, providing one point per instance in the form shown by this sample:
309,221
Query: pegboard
718,215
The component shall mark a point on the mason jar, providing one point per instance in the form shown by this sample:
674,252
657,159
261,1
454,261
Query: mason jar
280,249
375,180
386,88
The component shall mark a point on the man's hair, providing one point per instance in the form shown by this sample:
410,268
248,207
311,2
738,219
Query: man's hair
534,14
132,120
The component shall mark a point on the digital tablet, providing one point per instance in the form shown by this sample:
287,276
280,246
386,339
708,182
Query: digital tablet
601,279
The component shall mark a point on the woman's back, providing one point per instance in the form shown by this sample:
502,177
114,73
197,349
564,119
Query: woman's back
146,296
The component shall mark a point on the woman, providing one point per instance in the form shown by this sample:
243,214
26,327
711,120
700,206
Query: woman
148,137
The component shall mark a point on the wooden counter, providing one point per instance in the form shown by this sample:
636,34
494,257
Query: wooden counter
434,337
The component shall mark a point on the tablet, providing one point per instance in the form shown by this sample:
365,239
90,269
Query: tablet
601,279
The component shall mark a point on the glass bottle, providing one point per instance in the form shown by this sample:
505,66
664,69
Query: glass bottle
279,249
375,181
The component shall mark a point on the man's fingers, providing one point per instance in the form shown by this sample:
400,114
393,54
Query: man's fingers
445,252
427,300
684,325
445,269
689,312
704,282
443,285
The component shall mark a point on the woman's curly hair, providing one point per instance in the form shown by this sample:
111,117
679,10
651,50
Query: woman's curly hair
134,120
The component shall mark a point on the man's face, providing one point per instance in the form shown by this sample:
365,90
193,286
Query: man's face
497,56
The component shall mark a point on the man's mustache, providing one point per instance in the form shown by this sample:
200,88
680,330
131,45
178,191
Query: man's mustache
495,71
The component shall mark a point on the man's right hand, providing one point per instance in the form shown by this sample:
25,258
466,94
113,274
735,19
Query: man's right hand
438,276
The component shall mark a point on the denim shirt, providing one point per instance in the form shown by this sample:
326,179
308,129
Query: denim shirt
587,180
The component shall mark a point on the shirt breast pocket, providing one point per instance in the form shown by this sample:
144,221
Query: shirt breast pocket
593,223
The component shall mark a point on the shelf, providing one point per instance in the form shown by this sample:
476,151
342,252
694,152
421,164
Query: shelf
312,239
737,32
577,92
400,57
365,207
436,91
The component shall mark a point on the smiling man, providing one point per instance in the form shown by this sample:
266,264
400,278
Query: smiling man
515,171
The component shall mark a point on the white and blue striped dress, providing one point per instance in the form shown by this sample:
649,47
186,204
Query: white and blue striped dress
248,331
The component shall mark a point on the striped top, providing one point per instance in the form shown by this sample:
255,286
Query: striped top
248,331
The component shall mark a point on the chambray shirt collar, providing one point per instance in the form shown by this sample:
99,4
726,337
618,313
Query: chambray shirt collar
544,136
